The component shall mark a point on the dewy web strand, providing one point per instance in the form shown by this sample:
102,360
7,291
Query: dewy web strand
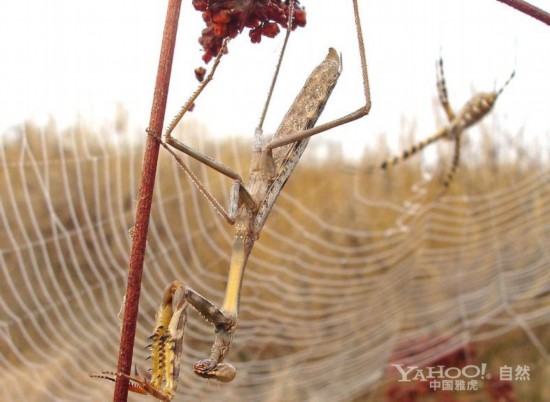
497,252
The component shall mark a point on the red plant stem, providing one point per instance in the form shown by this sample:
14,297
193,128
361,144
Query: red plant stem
529,9
145,197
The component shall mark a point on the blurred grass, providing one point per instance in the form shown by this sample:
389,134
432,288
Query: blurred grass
322,187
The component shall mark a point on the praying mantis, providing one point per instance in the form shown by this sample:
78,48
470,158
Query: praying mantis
272,164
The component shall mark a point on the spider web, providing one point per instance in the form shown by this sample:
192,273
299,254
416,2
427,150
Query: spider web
351,272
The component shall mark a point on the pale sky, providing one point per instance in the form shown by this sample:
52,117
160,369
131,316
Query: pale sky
74,58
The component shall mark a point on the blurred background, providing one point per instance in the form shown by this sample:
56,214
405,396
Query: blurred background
353,272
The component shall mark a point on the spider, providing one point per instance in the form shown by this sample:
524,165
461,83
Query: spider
472,112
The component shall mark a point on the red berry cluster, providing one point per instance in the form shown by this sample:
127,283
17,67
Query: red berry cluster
227,18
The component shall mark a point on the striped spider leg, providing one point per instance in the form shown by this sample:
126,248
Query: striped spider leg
471,113
250,204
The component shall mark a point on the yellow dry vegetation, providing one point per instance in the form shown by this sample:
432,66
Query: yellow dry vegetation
67,196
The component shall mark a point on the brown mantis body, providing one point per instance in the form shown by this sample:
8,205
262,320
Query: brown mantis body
250,204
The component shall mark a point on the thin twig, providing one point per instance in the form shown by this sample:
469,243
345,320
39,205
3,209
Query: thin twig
143,209
529,9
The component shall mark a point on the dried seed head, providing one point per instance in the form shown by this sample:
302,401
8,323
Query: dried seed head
228,18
